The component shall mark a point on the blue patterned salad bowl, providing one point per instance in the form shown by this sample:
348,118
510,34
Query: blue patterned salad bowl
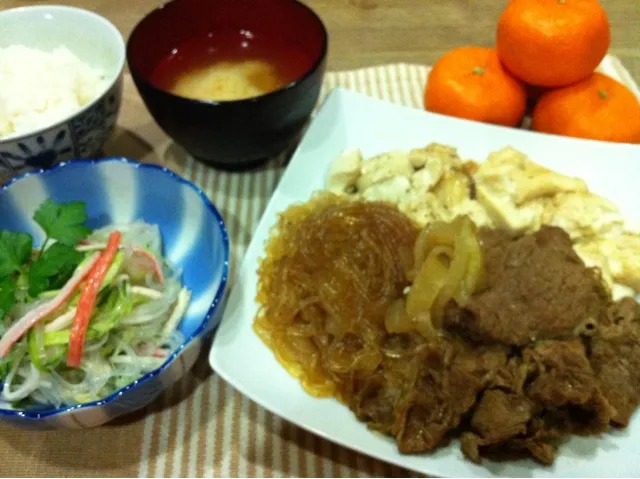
120,191
82,134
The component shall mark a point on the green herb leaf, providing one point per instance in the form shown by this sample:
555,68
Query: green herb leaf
64,222
53,269
15,249
7,295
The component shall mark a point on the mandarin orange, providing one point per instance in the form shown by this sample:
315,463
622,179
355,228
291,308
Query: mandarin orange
471,83
598,108
552,42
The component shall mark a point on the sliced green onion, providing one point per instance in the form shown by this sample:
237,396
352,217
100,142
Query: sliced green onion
36,346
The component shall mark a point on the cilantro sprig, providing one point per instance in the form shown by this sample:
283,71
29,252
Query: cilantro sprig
15,249
64,222
53,266
7,295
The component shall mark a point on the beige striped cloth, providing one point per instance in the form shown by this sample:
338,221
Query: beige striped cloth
202,427
216,431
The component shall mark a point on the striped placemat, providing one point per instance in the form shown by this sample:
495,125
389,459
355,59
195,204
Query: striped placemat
202,427
216,431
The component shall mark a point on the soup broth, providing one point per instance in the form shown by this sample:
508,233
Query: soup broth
226,66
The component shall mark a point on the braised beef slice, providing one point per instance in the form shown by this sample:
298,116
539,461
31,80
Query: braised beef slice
427,414
564,375
566,386
501,415
375,398
538,289
543,451
539,441
376,403
592,417
498,417
445,391
531,422
615,358
512,376
541,353
622,313
481,362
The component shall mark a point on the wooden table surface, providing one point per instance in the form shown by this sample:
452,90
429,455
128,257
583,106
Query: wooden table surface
372,32
362,33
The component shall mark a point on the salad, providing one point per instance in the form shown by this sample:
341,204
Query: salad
88,312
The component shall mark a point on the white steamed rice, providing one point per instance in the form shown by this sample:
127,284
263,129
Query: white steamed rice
39,88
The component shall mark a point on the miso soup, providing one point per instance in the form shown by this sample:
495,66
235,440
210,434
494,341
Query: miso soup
226,66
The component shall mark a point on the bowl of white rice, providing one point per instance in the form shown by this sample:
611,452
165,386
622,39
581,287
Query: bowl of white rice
60,86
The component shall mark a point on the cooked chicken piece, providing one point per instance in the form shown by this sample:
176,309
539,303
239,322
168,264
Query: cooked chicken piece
418,157
470,167
593,257
527,180
504,213
617,256
582,214
383,167
507,191
392,190
427,177
546,184
344,172
421,207
453,189
434,152
514,189
474,210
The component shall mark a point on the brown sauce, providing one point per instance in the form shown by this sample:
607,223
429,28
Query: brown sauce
537,352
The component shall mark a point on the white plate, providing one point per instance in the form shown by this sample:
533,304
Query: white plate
349,120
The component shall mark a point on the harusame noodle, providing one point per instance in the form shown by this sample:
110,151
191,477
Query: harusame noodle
332,268
332,287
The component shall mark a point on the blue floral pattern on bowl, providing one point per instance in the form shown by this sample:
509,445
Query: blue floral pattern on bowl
81,136
43,152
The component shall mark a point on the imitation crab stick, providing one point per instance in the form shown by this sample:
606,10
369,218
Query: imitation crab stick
157,267
24,324
155,264
88,300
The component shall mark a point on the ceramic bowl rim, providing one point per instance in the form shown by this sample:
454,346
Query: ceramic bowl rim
122,57
47,413
246,101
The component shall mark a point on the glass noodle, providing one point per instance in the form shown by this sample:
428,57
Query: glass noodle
132,329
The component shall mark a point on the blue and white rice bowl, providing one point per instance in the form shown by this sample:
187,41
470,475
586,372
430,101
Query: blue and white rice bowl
82,134
120,191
